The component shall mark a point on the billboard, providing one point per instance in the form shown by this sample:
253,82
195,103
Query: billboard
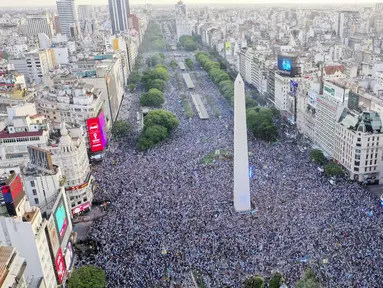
40,157
13,193
81,207
103,128
68,255
61,219
312,98
94,135
53,236
286,65
293,87
333,91
60,266
115,44
228,45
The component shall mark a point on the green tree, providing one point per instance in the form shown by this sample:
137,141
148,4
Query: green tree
153,60
260,123
309,280
276,281
250,103
190,45
254,282
87,277
317,156
160,73
189,63
158,84
151,136
162,56
134,77
121,128
162,118
333,169
153,98
173,64
132,87
162,66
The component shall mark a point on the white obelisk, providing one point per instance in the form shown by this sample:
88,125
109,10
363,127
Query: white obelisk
241,160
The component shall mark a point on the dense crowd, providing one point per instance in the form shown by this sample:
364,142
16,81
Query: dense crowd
172,215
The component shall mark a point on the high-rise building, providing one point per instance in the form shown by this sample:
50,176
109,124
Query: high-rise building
36,24
68,17
182,22
119,15
85,12
39,63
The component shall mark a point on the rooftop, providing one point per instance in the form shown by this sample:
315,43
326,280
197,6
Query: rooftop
5,134
30,216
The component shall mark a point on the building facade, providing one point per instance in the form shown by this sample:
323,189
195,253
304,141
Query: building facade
12,267
36,24
70,154
182,22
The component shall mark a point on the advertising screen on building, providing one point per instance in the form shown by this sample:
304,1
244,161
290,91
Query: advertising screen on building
103,129
53,237
61,219
286,65
68,255
293,87
60,266
94,135
16,189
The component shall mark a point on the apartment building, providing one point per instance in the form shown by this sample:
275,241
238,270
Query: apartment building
358,144
70,154
12,267
39,63
72,101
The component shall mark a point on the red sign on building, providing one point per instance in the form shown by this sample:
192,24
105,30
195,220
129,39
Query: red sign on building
94,134
60,266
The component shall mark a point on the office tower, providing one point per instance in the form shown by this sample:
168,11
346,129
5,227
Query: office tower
67,11
119,15
36,24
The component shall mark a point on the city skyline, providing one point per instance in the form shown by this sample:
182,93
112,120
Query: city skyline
42,3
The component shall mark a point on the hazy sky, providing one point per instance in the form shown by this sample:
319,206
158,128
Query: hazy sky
30,3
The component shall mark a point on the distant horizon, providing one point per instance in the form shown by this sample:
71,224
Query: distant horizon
52,3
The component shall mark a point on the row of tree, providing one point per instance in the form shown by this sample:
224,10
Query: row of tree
309,279
155,59
154,82
217,75
259,120
158,125
330,168
190,43
153,39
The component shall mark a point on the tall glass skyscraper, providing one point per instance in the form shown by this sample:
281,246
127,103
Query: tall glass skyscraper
119,15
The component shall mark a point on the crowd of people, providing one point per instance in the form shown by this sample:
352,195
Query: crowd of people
172,215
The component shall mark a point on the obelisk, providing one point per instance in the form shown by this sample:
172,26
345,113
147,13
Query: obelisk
241,160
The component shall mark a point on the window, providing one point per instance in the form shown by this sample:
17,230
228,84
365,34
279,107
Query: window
36,200
34,192
356,169
32,183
